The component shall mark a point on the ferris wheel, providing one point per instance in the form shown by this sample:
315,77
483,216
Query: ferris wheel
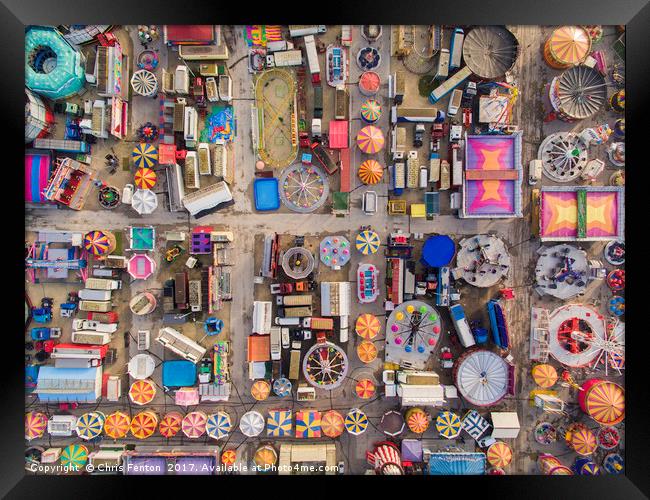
610,349
303,188
325,366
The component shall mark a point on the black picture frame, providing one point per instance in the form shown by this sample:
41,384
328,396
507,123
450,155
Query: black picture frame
635,14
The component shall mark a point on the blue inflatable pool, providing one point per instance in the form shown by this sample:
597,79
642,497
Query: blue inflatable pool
266,194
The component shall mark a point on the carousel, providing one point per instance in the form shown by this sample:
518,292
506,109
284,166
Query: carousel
482,260
564,156
575,331
562,271
482,377
297,262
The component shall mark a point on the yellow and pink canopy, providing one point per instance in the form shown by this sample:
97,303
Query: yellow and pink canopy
370,139
35,425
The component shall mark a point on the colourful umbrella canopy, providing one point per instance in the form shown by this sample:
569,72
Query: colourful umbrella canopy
117,425
586,467
370,139
583,441
279,423
367,242
282,387
308,424
570,44
193,424
367,326
35,425
142,392
367,351
90,425
356,422
371,172
417,420
145,178
265,456
499,454
228,457
144,201
218,425
544,375
144,424
144,83
261,390
97,243
331,423
365,389
144,155
605,403
448,424
74,456
371,110
251,423
170,424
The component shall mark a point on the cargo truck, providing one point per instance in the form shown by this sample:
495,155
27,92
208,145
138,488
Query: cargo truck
95,306
103,317
312,59
88,294
318,323
276,348
294,312
205,167
294,300
101,284
318,101
294,365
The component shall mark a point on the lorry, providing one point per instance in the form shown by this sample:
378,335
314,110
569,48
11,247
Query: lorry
294,365
103,284
318,323
87,324
95,306
462,326
341,103
312,59
294,312
323,158
103,317
276,349
181,80
318,101
294,300
211,89
285,337
287,321
89,294
90,337
205,167
432,204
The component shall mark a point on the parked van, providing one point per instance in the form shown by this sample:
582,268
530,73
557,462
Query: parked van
127,194
101,284
369,204
95,306
89,294
534,171
455,102
90,337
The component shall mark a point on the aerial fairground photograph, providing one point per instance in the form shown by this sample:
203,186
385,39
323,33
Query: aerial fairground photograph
324,250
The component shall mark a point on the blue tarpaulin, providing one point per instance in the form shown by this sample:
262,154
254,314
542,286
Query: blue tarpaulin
438,251
456,464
